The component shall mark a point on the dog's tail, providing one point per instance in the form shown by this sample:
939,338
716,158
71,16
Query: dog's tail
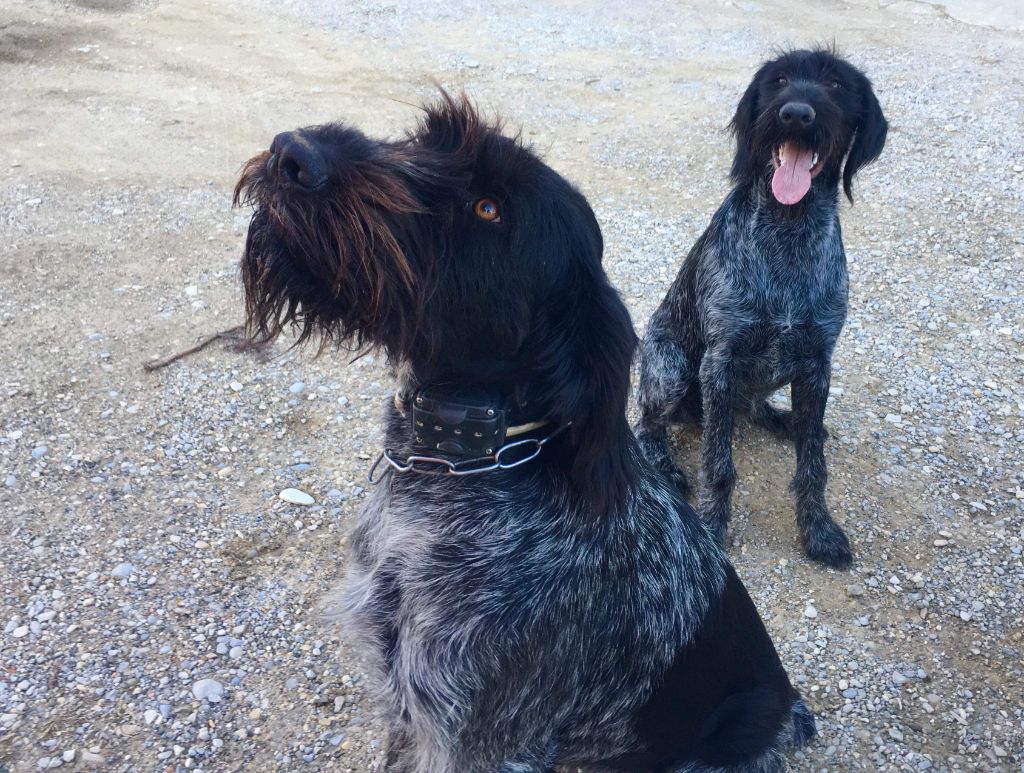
804,728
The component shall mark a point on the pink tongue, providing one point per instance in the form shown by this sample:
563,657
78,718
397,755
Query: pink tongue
792,179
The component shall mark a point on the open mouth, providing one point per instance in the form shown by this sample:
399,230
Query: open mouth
795,167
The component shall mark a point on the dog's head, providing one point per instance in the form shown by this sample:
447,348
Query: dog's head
800,117
458,251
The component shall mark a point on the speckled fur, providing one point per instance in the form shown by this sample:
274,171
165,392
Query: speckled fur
571,611
761,299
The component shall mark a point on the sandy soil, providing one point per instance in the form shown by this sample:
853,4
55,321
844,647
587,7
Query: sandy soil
143,544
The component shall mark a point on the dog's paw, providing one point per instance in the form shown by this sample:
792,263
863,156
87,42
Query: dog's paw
826,543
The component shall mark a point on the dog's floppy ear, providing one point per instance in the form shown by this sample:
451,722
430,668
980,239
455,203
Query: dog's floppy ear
585,355
742,125
870,137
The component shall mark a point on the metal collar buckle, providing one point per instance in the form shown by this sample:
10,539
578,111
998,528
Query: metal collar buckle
434,465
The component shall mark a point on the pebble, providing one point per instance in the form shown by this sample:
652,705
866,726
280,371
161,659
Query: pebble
122,570
297,387
20,631
39,452
296,497
208,689
810,611
855,590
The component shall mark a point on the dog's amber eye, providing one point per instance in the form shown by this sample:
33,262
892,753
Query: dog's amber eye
782,80
487,209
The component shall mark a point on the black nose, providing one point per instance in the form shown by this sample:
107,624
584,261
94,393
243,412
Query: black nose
797,114
296,160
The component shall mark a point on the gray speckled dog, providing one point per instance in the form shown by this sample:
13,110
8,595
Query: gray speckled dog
760,300
564,608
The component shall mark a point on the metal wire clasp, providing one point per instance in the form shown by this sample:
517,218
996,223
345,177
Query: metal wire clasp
435,465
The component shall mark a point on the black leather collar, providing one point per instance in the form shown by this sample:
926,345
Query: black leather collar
468,422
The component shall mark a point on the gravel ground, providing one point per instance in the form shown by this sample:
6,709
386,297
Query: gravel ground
161,604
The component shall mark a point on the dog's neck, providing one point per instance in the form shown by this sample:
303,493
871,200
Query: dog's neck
811,217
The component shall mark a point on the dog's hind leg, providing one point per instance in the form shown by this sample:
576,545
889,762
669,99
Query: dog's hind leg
717,471
776,420
666,379
823,539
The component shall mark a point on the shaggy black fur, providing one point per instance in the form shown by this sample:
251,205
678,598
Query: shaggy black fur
571,611
761,299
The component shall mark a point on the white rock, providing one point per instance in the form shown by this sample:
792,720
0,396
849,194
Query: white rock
810,612
208,689
122,570
151,716
21,630
295,497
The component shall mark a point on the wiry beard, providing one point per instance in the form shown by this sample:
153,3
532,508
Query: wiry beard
332,265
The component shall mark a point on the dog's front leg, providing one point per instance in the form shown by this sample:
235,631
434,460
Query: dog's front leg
717,471
823,540
398,746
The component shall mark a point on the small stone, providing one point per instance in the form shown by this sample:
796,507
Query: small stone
940,543
208,689
235,653
92,758
43,763
898,678
20,631
894,419
236,386
150,716
810,612
68,756
297,387
122,570
855,590
129,730
295,497
255,715
39,452
895,734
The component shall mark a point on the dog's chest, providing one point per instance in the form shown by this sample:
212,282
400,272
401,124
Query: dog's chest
786,301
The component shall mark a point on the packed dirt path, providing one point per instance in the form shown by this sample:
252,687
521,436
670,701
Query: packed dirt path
162,609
